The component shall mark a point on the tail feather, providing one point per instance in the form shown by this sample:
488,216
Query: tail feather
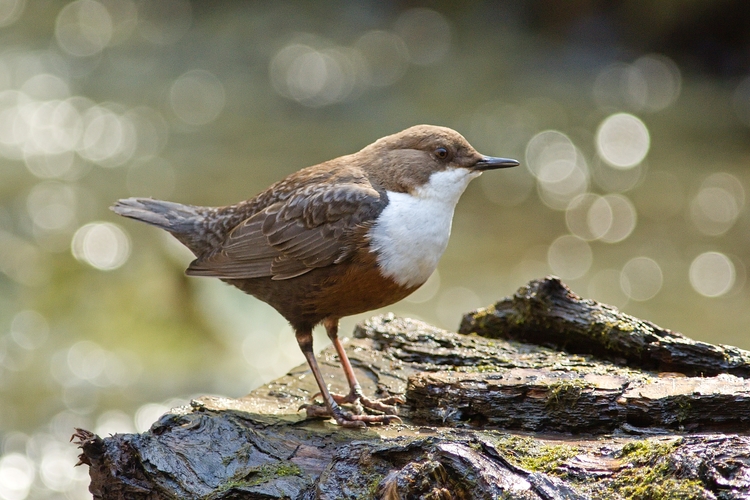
174,217
187,223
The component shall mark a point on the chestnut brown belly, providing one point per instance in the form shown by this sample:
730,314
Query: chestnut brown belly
335,291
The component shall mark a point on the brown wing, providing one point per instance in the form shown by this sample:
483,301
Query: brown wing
309,229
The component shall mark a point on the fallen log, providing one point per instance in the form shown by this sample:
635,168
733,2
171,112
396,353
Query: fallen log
601,428
546,312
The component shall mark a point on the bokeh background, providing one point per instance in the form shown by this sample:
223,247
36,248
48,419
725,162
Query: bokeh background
630,118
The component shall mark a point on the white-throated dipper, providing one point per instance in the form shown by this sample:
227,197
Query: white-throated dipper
343,237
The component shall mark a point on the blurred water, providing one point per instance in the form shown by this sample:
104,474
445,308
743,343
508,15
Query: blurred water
633,186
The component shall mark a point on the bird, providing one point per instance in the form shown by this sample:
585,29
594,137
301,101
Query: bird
346,236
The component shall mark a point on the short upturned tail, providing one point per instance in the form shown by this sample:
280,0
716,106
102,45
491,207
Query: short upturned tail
185,222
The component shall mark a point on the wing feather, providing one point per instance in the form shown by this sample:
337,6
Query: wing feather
307,230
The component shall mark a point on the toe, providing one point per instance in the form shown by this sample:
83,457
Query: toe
384,405
315,411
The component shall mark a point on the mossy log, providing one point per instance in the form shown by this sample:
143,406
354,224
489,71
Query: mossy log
484,418
546,312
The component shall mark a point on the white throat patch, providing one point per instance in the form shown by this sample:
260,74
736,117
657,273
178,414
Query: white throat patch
412,232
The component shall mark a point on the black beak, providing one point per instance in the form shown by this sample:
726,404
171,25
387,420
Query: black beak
491,163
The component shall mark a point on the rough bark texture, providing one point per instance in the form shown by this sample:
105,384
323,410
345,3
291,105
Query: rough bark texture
546,312
601,429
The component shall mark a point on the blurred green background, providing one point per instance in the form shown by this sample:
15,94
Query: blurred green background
630,118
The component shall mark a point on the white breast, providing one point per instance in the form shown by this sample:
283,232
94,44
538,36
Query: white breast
412,232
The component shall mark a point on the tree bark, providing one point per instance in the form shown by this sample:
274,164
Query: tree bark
604,423
546,312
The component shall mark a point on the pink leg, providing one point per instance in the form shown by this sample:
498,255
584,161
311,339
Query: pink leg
355,392
342,417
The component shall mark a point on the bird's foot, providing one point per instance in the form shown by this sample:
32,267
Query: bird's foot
346,418
385,405
357,398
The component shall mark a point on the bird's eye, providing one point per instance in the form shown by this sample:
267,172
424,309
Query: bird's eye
441,153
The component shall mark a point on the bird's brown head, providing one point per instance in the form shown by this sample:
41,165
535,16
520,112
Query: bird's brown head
405,161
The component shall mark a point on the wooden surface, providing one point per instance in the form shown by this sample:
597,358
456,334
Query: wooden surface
484,418
546,312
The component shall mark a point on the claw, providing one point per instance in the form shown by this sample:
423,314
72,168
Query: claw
315,410
385,405
346,418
